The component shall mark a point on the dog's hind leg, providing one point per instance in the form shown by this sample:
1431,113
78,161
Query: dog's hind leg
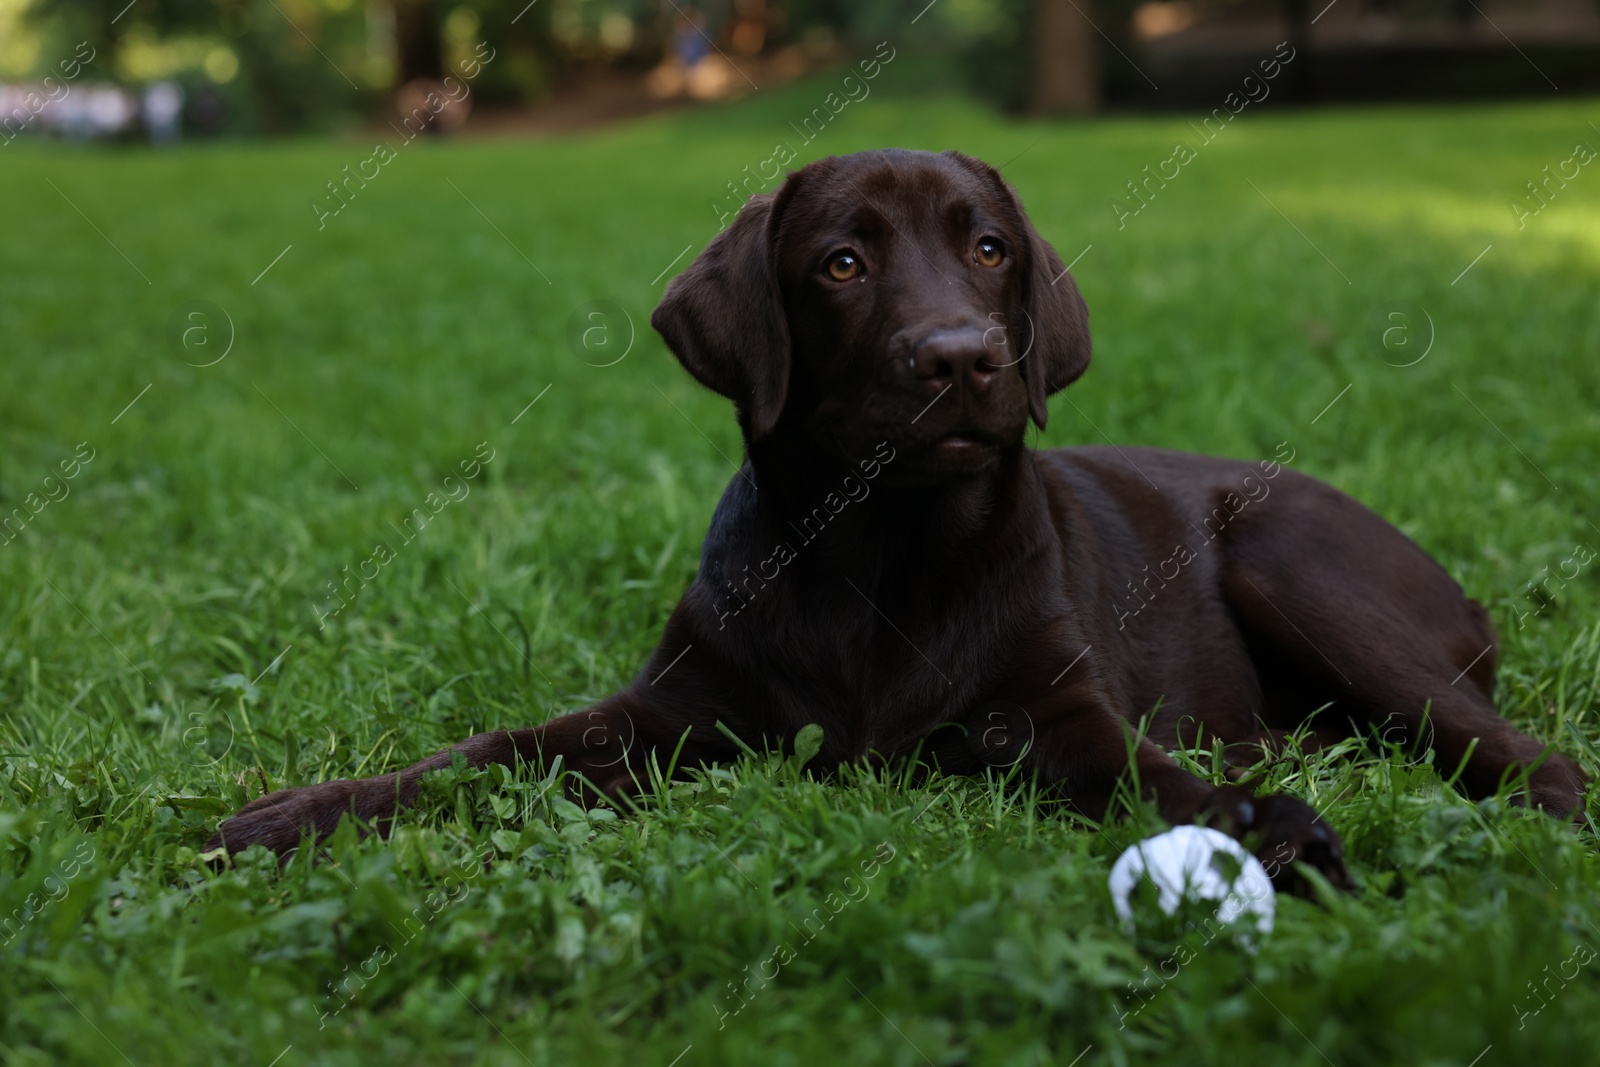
1347,604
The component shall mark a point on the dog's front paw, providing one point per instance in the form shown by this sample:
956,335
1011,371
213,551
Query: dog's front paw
1559,787
282,820
1282,831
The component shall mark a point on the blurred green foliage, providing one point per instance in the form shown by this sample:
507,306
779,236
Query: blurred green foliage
280,66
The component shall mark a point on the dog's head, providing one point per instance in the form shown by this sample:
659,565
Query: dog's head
888,295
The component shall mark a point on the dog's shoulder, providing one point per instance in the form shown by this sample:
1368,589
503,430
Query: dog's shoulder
1098,460
1150,487
1158,471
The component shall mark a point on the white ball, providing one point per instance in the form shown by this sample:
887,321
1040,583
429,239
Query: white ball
1184,864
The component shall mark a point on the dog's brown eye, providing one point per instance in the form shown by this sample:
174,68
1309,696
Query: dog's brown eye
990,252
844,266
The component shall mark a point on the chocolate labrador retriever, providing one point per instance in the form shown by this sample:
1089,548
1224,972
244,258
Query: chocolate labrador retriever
894,563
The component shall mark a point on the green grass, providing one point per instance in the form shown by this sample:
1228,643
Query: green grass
160,653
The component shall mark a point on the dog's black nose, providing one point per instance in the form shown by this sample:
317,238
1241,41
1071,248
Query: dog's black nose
960,356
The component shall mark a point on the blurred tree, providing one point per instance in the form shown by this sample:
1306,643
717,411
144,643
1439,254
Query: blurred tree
1066,64
288,65
418,43
94,21
283,65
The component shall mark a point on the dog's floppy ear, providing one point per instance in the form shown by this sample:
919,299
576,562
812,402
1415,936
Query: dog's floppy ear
723,318
1055,327
1057,323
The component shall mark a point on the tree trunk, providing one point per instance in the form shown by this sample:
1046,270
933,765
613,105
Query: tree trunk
417,41
1066,64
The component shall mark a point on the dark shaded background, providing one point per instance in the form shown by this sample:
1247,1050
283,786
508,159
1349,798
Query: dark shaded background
275,67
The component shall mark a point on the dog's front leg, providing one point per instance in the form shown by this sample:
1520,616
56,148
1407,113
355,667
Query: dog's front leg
604,749
1083,753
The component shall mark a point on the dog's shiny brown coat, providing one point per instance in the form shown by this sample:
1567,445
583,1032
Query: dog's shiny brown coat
893,563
